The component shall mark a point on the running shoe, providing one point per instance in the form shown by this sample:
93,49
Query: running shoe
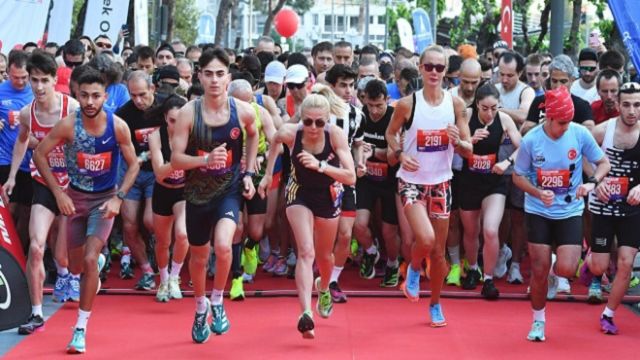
146,282
515,277
336,293
162,295
402,272
563,285
537,331
35,323
174,287
368,264
411,287
280,269
102,261
489,290
264,250
61,288
306,325
291,258
504,256
471,281
270,263
250,260
437,317
247,278
453,278
607,326
237,291
595,292
585,275
126,271
74,289
200,330
552,289
354,248
390,278
220,324
77,344
324,305
635,281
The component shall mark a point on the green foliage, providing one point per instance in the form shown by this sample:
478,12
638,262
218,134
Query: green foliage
77,4
400,12
467,23
186,20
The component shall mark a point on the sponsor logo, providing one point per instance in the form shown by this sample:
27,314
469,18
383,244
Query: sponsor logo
234,133
572,154
105,141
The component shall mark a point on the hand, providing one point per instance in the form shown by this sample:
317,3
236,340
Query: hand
218,156
111,208
309,161
584,190
9,185
479,134
361,170
602,192
501,167
454,134
367,150
408,163
249,189
264,186
633,198
258,163
65,204
547,197
123,33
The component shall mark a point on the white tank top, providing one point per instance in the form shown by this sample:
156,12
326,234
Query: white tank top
511,100
427,141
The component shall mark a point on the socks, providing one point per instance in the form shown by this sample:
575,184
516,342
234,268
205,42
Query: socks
175,269
515,265
83,318
488,277
474,266
454,254
393,263
75,276
201,304
608,312
62,271
164,274
37,310
126,255
335,274
216,297
146,268
372,250
538,315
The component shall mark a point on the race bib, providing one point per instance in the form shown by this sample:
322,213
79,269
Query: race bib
14,118
57,162
557,181
377,171
142,137
176,177
432,140
482,164
618,188
219,169
94,164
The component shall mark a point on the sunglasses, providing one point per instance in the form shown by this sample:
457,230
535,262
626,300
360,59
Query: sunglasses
429,67
173,85
292,86
587,68
319,122
630,88
72,64
103,45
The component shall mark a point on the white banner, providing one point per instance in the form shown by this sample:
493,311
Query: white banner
60,21
405,32
141,19
22,21
105,17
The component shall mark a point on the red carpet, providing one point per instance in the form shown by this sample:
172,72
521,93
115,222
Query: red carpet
365,328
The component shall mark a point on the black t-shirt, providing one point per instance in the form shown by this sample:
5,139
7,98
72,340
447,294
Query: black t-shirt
581,114
374,133
140,127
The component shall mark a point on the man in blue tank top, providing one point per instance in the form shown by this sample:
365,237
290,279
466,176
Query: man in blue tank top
94,140
207,143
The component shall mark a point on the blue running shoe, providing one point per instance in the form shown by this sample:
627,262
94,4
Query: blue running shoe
220,324
74,289
77,344
411,287
61,288
200,330
437,318
537,331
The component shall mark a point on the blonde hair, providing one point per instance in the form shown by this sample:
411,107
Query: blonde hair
315,101
337,106
436,49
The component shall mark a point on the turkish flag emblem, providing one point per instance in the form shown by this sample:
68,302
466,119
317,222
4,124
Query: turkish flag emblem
506,23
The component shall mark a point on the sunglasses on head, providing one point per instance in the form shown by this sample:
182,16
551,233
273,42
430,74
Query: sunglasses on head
430,67
292,86
587,68
103,45
630,88
319,122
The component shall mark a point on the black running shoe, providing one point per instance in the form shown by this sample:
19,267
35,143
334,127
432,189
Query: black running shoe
471,281
390,277
34,323
367,267
306,325
489,290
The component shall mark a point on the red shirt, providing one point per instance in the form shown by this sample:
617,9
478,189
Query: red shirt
599,112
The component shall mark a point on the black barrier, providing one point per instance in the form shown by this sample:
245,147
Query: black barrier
15,305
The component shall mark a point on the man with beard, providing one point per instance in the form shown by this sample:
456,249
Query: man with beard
585,88
607,83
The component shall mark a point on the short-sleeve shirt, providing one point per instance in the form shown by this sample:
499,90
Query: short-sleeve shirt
582,110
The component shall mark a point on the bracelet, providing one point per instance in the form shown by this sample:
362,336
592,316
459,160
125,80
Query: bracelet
249,174
206,159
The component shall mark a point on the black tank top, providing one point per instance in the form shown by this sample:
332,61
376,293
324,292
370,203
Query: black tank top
176,177
485,151
309,179
374,133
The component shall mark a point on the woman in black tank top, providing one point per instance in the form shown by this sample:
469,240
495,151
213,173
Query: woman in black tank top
483,188
321,164
168,203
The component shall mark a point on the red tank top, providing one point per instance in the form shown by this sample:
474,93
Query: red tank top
55,158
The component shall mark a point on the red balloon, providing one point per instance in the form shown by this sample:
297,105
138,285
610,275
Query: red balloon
286,22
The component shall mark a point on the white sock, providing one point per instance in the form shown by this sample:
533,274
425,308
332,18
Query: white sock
201,304
146,268
37,310
515,265
126,255
538,315
454,254
608,312
83,318
372,250
164,274
62,270
488,277
175,269
335,273
75,276
393,263
216,297
474,266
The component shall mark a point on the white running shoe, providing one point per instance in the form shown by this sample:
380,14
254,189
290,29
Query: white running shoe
515,277
504,256
174,287
563,285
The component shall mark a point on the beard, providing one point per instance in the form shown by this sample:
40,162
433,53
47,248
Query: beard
98,111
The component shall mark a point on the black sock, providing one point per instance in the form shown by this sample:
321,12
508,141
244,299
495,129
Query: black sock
236,252
250,244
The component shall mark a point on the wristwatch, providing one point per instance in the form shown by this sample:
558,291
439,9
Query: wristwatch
322,166
593,180
397,153
249,174
511,161
121,195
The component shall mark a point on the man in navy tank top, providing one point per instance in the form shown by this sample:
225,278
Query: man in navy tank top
93,141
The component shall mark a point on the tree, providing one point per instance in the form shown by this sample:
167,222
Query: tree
184,23
574,38
222,20
403,11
